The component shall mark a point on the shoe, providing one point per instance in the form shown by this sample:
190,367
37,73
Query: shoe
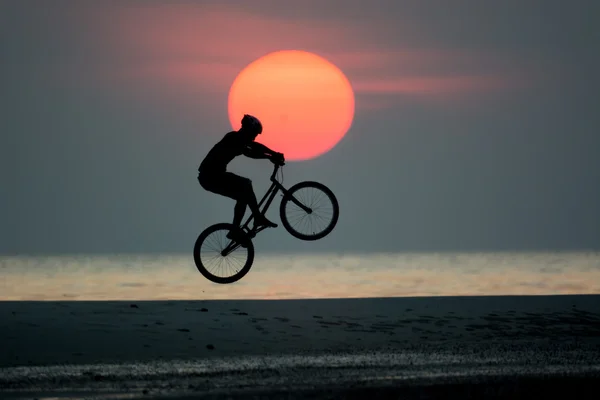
239,236
263,221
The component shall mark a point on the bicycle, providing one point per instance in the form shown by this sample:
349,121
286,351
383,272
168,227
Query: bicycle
223,249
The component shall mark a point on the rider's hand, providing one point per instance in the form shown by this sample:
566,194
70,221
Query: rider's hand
278,158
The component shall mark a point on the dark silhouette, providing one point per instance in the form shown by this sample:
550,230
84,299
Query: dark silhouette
296,211
214,177
300,204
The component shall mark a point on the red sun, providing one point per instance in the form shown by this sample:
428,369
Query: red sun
305,103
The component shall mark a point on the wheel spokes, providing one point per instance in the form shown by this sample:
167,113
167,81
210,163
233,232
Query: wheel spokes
319,219
217,264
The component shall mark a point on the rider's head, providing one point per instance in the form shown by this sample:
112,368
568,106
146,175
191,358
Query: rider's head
251,125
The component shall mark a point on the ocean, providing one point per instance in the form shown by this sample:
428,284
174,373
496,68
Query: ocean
300,276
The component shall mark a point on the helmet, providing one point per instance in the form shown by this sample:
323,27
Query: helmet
251,123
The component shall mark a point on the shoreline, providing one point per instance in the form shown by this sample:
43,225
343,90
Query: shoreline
165,277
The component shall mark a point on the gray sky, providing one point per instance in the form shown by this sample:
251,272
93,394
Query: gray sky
476,124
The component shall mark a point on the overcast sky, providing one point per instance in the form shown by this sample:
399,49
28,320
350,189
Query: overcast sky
476,124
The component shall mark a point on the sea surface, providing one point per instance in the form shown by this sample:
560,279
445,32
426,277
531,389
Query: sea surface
285,276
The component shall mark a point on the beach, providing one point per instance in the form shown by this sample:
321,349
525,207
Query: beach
235,347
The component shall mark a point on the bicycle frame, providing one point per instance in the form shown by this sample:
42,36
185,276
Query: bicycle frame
267,199
265,202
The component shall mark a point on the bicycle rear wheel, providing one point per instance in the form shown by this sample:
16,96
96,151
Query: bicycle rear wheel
309,210
219,259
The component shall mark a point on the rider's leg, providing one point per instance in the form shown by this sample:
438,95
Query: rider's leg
244,192
222,184
238,212
259,218
251,197
237,233
240,189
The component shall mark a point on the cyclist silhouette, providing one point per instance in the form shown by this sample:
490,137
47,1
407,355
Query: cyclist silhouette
214,177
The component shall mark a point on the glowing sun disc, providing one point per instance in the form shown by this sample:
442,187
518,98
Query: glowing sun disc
305,103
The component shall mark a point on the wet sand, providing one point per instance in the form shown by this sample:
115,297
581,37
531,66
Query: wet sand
386,346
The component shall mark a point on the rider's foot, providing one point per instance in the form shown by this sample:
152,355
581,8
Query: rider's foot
261,220
239,236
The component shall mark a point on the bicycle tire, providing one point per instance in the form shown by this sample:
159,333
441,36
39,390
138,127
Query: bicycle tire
287,202
201,265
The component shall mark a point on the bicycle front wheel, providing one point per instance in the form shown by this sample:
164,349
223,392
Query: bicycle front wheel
219,259
309,210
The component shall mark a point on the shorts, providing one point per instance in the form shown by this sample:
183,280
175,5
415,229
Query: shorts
226,184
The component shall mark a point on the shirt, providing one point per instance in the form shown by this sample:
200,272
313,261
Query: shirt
221,154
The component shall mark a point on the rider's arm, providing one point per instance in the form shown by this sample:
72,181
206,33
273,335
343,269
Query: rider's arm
258,150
